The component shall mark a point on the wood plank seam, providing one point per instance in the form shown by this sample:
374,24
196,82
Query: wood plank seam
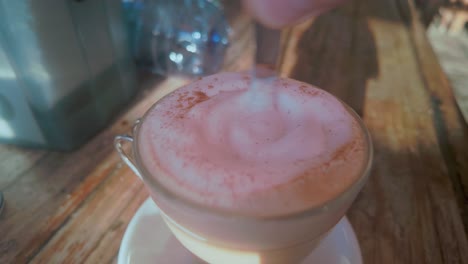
96,244
67,219
440,126
26,171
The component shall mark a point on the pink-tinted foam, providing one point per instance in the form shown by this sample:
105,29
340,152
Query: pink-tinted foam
282,147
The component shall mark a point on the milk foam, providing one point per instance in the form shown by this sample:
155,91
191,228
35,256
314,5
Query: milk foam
281,147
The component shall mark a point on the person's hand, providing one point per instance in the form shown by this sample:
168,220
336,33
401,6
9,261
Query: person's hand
280,13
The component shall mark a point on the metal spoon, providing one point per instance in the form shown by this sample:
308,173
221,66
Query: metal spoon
266,51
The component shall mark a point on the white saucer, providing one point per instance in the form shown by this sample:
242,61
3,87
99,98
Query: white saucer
148,240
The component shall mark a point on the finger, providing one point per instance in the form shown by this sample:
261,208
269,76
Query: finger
280,13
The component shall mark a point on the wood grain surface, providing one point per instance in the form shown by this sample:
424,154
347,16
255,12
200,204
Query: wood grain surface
374,55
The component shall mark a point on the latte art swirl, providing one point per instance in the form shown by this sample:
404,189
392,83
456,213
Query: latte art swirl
280,147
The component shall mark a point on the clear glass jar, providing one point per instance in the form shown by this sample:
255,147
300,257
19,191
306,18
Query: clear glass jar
189,37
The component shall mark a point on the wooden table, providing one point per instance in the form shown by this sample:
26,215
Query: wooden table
74,207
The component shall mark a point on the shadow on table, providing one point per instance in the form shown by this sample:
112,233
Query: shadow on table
410,194
338,51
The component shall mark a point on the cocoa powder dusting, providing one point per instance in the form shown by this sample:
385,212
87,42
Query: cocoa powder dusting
312,92
186,102
341,152
200,97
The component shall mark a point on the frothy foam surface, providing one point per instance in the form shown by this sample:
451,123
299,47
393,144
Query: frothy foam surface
279,148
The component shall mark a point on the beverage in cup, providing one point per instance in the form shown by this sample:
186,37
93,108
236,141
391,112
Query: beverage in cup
250,172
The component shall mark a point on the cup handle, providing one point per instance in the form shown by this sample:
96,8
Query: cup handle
118,144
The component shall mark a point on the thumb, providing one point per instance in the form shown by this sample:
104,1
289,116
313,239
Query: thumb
280,13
